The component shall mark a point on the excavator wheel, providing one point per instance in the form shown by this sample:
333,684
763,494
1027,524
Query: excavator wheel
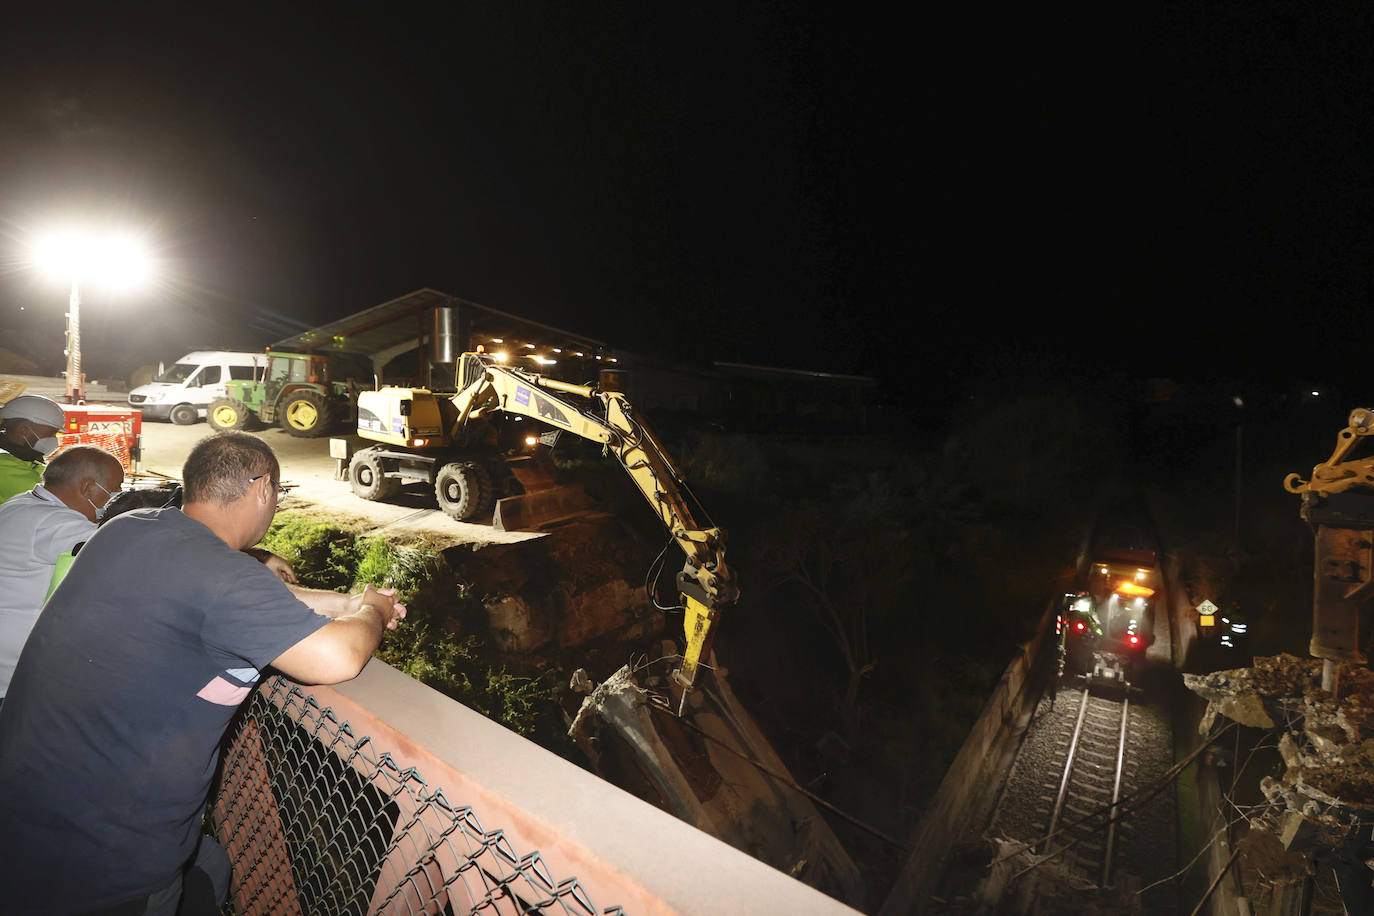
226,414
463,489
366,476
307,414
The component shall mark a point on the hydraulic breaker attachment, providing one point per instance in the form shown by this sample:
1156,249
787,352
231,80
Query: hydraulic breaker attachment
697,626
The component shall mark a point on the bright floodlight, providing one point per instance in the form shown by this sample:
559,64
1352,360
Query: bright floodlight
114,260
79,259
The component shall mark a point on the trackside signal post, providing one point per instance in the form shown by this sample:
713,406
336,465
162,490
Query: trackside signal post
1206,614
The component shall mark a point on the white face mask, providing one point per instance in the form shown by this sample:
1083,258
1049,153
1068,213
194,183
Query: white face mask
100,510
45,446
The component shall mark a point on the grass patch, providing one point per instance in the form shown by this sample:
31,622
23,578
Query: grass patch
452,664
427,647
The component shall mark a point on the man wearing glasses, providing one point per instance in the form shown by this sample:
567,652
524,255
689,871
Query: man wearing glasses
110,731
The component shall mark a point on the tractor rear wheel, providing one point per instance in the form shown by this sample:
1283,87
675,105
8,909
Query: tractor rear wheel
226,414
463,489
306,414
367,476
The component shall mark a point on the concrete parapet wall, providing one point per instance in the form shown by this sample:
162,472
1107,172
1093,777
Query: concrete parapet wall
464,814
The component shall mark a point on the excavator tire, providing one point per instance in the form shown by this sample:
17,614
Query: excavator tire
463,489
226,414
367,478
307,414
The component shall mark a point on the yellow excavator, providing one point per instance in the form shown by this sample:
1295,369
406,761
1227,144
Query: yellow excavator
454,443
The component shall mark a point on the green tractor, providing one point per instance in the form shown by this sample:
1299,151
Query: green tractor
303,393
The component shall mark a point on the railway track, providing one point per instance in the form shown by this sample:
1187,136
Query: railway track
1084,797
1084,820
1069,826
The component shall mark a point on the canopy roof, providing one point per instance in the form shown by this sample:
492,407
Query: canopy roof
402,321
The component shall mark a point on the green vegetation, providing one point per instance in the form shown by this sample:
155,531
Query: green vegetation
453,665
429,647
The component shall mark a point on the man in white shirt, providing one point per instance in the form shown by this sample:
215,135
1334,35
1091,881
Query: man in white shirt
36,528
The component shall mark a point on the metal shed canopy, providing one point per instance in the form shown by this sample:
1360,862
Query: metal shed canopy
404,324
404,319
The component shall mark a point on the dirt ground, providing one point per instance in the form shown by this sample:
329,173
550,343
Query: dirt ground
308,473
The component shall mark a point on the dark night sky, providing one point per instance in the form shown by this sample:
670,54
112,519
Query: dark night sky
944,195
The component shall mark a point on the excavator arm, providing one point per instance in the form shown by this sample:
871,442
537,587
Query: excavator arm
705,583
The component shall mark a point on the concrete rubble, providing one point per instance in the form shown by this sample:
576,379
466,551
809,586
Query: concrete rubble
711,769
1326,792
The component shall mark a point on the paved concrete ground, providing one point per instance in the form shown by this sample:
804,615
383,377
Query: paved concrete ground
307,472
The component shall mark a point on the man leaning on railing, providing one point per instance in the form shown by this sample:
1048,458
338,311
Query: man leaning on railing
110,730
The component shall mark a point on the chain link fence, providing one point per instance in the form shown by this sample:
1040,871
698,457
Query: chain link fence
318,820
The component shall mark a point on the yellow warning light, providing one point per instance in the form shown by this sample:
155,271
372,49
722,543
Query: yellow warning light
1135,591
1207,620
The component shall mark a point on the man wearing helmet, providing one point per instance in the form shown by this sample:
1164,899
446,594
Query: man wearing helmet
28,433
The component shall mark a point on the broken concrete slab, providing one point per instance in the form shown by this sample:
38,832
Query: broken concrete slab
714,769
1327,743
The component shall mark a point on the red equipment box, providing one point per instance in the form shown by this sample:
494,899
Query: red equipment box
115,429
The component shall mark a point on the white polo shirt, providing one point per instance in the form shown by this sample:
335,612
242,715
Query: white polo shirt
35,529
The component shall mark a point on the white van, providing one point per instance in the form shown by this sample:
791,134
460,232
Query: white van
183,391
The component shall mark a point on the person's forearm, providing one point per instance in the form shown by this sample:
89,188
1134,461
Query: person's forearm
337,651
362,633
322,601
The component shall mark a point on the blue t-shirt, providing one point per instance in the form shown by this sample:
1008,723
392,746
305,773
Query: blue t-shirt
110,729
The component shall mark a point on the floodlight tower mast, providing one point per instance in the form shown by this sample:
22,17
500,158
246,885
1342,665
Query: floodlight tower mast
76,381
